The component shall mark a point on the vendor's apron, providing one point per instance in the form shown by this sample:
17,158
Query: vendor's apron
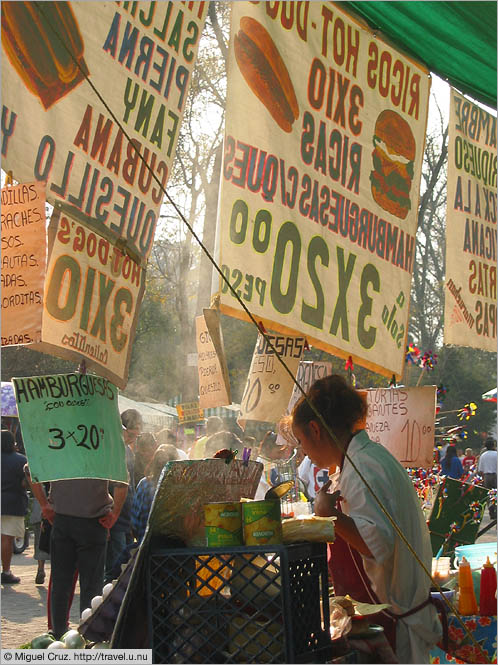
348,574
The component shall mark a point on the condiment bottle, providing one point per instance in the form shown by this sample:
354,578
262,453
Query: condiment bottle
467,603
487,593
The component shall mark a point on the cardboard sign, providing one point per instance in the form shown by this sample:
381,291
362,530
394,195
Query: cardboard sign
470,294
214,382
71,427
402,420
139,58
189,412
324,141
92,298
24,257
269,386
308,372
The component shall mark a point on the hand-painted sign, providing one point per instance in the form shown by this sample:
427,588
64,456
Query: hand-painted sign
214,382
402,420
24,257
189,412
269,385
71,427
470,296
308,372
63,59
92,298
324,139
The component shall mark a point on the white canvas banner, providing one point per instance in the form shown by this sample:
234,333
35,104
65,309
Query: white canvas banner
470,293
58,59
91,300
324,140
269,386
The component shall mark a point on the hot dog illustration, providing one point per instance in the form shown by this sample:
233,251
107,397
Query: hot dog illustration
262,67
45,47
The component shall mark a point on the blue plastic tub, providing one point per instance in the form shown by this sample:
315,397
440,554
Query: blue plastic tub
476,554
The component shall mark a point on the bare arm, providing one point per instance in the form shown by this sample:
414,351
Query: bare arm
120,492
39,493
344,525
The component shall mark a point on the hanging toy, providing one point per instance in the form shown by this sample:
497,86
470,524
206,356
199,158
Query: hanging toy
468,411
476,509
441,392
412,354
429,360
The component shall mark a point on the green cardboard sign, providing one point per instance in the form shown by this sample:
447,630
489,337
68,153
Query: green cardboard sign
71,427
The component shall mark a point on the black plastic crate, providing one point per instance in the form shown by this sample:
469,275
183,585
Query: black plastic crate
239,604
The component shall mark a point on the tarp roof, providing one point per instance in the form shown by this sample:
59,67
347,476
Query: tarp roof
455,40
153,414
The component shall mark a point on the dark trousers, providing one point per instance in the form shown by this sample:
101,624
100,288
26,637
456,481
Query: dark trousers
77,543
115,546
489,481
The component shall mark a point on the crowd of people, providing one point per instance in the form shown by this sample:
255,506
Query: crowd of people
87,527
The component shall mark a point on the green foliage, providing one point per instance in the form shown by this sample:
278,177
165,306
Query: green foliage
467,374
24,361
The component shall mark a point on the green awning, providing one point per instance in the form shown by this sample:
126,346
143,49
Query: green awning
455,40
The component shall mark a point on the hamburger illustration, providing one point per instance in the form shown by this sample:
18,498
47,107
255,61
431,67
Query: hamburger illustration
393,155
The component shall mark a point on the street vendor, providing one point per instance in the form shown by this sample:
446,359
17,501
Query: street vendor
385,570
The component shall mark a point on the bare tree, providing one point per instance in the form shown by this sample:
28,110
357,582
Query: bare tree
427,295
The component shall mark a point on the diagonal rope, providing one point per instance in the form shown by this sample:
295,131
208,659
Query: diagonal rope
393,523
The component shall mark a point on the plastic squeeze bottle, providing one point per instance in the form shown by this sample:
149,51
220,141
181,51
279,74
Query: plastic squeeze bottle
467,603
487,593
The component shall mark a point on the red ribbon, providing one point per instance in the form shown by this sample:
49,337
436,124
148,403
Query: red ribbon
349,363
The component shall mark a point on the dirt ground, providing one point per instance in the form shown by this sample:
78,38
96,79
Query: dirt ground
24,605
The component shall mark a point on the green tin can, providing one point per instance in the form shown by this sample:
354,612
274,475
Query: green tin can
262,523
223,522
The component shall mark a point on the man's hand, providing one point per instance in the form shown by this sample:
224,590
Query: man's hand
48,512
108,520
120,492
325,503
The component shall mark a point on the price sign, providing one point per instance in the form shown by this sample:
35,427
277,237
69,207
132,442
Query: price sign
189,412
269,386
71,427
402,420
214,382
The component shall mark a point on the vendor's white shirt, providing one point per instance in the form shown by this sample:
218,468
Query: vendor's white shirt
395,575
312,476
487,462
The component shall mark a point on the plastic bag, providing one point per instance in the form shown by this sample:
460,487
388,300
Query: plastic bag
340,620
185,486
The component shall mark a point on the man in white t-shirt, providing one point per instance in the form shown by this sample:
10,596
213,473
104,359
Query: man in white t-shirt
487,467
